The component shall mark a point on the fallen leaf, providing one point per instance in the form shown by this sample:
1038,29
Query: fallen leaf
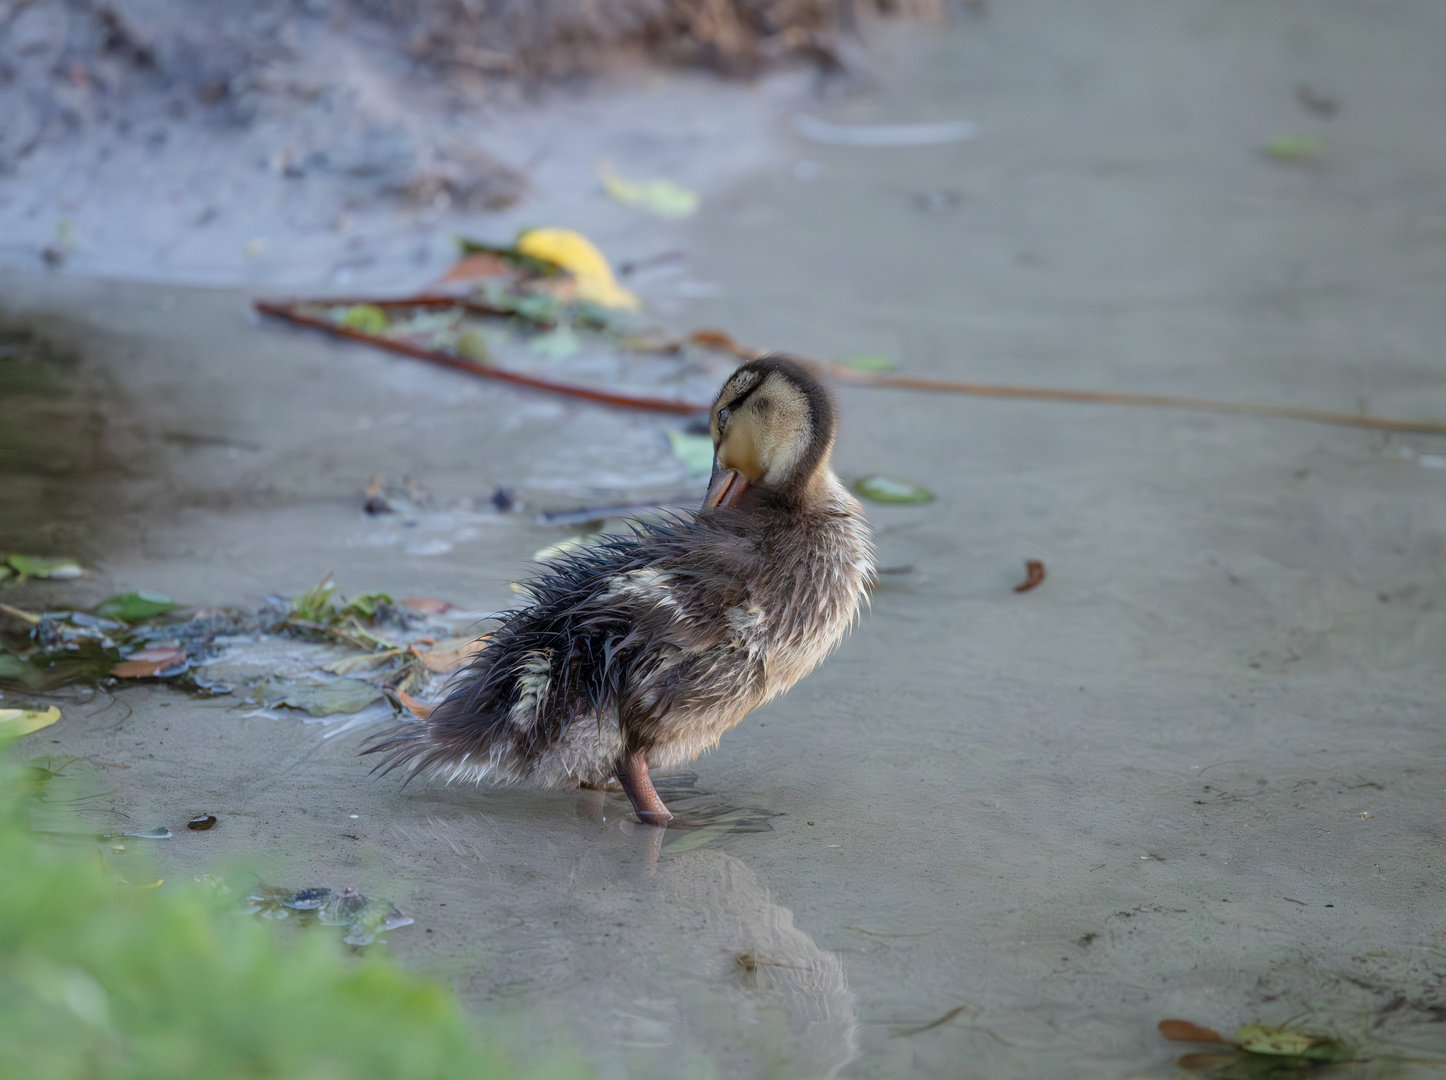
364,318
451,654
480,264
472,345
1184,1031
53,569
17,722
417,709
321,699
1033,575
694,451
885,489
135,606
556,344
576,254
562,547
149,662
426,605
1282,1042
717,339
661,197
1295,147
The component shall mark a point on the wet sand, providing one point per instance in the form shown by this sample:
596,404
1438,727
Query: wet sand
1197,773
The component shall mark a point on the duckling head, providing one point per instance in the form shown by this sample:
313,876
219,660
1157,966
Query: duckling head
773,428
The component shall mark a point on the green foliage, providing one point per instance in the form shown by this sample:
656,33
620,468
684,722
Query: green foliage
136,606
366,318
107,981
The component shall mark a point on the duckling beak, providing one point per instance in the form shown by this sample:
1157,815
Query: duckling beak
726,487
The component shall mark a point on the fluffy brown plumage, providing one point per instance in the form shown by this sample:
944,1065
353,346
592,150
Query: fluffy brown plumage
643,649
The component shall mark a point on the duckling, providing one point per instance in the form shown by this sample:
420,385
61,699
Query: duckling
641,650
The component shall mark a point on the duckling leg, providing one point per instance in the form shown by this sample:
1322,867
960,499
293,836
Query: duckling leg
633,775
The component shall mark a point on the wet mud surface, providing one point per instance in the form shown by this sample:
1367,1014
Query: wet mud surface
1197,772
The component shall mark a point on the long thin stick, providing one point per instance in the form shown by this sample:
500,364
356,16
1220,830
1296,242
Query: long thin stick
586,393
718,340
1157,401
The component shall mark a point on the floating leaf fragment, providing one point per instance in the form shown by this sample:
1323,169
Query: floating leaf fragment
1033,576
886,489
557,344
1283,1042
451,654
17,722
321,698
201,822
694,451
146,663
562,547
661,197
576,254
1295,148
427,605
34,566
365,606
1184,1031
135,606
870,364
363,318
472,345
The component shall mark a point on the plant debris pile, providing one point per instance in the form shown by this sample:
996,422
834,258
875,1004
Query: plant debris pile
316,653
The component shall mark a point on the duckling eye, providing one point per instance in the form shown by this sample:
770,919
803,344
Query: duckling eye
724,415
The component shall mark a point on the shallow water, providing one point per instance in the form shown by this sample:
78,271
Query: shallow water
1197,773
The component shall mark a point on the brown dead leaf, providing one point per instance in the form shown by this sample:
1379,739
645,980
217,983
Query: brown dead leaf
1033,575
419,710
717,339
1184,1031
426,605
450,654
564,288
481,264
146,662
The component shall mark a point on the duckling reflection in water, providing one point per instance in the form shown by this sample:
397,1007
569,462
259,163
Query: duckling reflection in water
641,650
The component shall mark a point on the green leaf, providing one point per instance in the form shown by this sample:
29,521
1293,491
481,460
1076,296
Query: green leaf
661,197
315,605
18,672
321,698
1283,1042
364,318
365,605
136,606
870,364
53,569
472,345
886,489
694,451
556,344
1295,147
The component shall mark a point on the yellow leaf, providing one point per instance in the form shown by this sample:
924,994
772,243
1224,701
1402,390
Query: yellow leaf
575,253
17,722
661,197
